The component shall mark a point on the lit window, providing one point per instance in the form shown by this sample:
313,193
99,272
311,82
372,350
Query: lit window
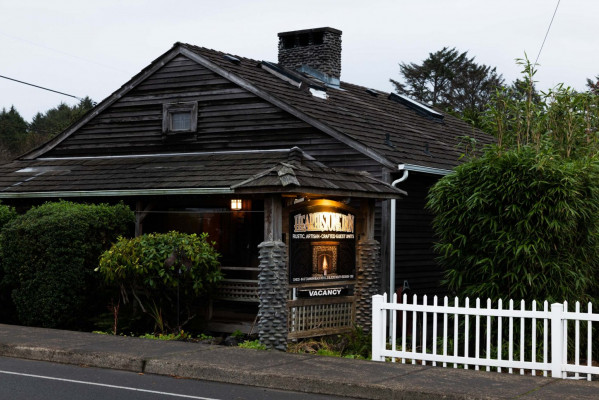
179,117
236,204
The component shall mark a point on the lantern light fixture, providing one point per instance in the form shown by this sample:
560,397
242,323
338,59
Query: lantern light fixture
236,204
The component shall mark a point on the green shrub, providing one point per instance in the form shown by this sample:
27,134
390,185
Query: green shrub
154,269
519,224
49,255
7,310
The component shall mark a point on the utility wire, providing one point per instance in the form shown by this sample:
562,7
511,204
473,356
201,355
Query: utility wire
61,52
41,87
547,33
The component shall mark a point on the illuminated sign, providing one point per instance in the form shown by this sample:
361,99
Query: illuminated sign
322,244
323,222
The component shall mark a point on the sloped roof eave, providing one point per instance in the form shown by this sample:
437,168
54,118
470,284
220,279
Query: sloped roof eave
114,193
312,191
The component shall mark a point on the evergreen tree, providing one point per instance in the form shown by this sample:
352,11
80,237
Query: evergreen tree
13,129
593,84
57,119
452,81
18,137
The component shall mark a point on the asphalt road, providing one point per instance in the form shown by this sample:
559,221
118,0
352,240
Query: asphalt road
37,380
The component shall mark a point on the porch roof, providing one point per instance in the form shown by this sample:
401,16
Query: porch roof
269,171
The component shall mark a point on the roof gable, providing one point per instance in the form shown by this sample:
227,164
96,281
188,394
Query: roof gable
365,120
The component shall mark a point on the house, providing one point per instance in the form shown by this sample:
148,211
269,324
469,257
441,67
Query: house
202,140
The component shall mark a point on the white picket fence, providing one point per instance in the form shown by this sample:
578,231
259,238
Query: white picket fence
541,344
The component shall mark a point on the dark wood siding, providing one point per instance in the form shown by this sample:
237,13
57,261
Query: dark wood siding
229,118
415,260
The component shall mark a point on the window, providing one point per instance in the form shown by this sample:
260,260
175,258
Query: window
181,121
179,117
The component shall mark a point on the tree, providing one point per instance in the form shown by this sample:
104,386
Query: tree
593,84
57,119
561,120
17,136
522,220
13,129
451,81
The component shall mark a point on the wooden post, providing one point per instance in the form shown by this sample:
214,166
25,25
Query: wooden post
557,338
273,218
378,327
140,214
367,211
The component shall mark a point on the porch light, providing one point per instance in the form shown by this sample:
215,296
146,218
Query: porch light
235,204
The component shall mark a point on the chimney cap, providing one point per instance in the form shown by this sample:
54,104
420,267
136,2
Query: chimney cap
323,29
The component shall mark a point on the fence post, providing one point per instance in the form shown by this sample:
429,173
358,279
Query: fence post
378,329
557,339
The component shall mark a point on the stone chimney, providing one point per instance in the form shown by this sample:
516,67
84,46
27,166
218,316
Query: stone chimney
318,49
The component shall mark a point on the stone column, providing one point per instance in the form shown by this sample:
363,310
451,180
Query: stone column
272,279
368,266
272,290
368,280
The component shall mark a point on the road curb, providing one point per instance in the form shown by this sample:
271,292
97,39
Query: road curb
217,374
267,380
74,357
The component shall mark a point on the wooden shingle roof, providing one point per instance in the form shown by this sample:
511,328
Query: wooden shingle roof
367,120
390,129
283,171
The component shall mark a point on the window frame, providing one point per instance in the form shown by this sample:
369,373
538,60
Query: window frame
168,109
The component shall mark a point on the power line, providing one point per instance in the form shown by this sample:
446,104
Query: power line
547,33
61,52
41,87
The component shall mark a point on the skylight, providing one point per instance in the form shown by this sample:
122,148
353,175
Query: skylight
232,59
417,106
328,80
280,73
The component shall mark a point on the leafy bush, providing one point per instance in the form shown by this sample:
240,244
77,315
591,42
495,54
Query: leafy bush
156,268
521,221
7,214
49,255
519,224
7,311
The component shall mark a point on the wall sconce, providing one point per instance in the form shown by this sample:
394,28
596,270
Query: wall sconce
236,204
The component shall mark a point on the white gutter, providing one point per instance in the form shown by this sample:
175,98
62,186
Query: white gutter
426,170
159,155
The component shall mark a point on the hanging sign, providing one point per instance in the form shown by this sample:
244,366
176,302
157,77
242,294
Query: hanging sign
322,245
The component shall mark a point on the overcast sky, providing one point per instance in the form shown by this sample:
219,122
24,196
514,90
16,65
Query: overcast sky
90,48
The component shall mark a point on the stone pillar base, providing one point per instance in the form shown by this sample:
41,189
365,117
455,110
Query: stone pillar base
367,284
272,290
